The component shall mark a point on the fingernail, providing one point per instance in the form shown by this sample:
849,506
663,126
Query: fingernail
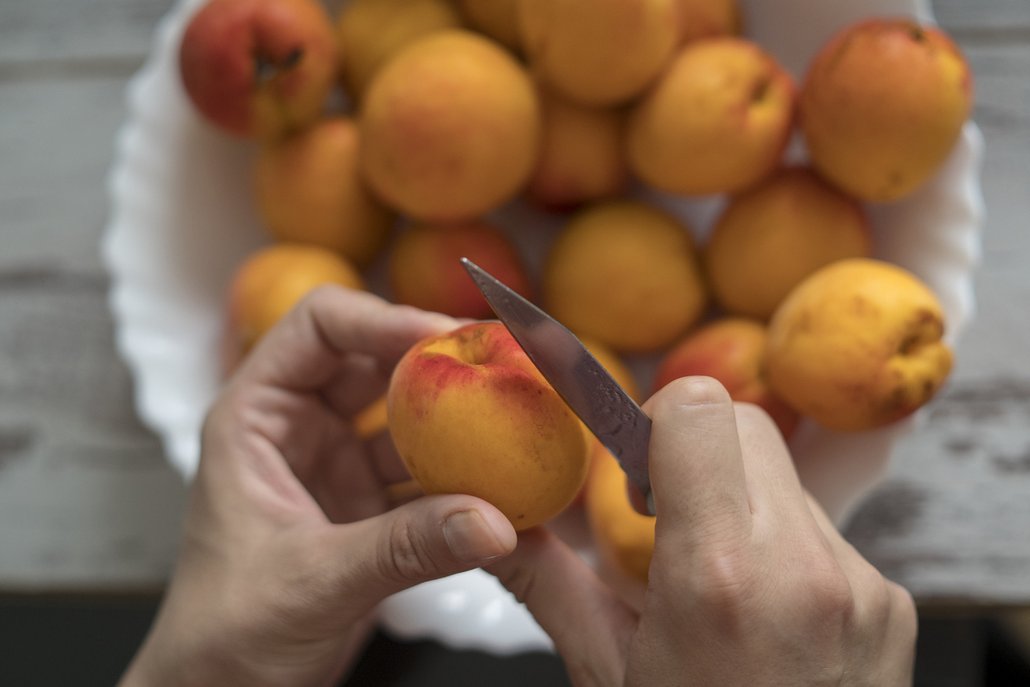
475,537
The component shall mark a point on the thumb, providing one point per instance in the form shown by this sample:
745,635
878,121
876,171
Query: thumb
423,540
591,627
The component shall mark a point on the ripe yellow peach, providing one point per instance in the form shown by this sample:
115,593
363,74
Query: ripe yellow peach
498,19
773,235
450,128
731,350
582,154
625,274
371,32
269,282
882,106
309,190
598,52
717,121
858,345
425,269
469,413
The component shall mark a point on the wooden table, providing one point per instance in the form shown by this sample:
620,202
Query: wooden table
88,503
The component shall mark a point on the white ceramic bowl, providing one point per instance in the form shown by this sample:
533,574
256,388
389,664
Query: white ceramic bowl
182,216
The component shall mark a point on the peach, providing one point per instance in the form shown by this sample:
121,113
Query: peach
470,414
858,345
882,106
626,274
598,52
425,269
708,18
718,120
450,128
498,19
624,538
258,68
582,156
732,351
371,32
773,235
269,282
309,190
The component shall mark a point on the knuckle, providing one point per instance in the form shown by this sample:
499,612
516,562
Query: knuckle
405,557
724,587
903,608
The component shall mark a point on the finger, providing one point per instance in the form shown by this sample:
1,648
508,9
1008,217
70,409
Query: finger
425,539
697,473
774,489
305,350
590,626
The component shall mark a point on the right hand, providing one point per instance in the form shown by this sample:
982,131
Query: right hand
750,582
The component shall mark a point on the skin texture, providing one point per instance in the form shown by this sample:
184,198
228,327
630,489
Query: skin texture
882,106
795,216
732,351
450,129
582,154
258,68
270,282
598,52
625,274
289,539
309,190
858,345
371,32
717,121
425,271
469,413
727,603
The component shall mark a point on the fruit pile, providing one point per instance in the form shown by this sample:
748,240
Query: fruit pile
391,136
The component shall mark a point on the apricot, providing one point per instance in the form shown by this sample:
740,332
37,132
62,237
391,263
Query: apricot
469,413
269,282
882,106
598,52
256,68
717,121
857,345
450,128
425,269
773,235
582,154
371,32
309,190
626,274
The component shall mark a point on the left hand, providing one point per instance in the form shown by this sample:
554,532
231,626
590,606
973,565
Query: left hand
289,538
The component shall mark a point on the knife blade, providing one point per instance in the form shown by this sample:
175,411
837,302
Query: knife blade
582,382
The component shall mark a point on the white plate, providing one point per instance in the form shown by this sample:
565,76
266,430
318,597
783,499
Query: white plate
182,217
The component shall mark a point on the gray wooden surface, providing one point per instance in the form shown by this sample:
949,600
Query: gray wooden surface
87,501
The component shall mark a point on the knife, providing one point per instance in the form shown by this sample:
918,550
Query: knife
582,382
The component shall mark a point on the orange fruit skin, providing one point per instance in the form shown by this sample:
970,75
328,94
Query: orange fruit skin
270,282
469,413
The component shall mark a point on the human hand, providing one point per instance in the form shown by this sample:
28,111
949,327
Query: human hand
750,583
289,541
